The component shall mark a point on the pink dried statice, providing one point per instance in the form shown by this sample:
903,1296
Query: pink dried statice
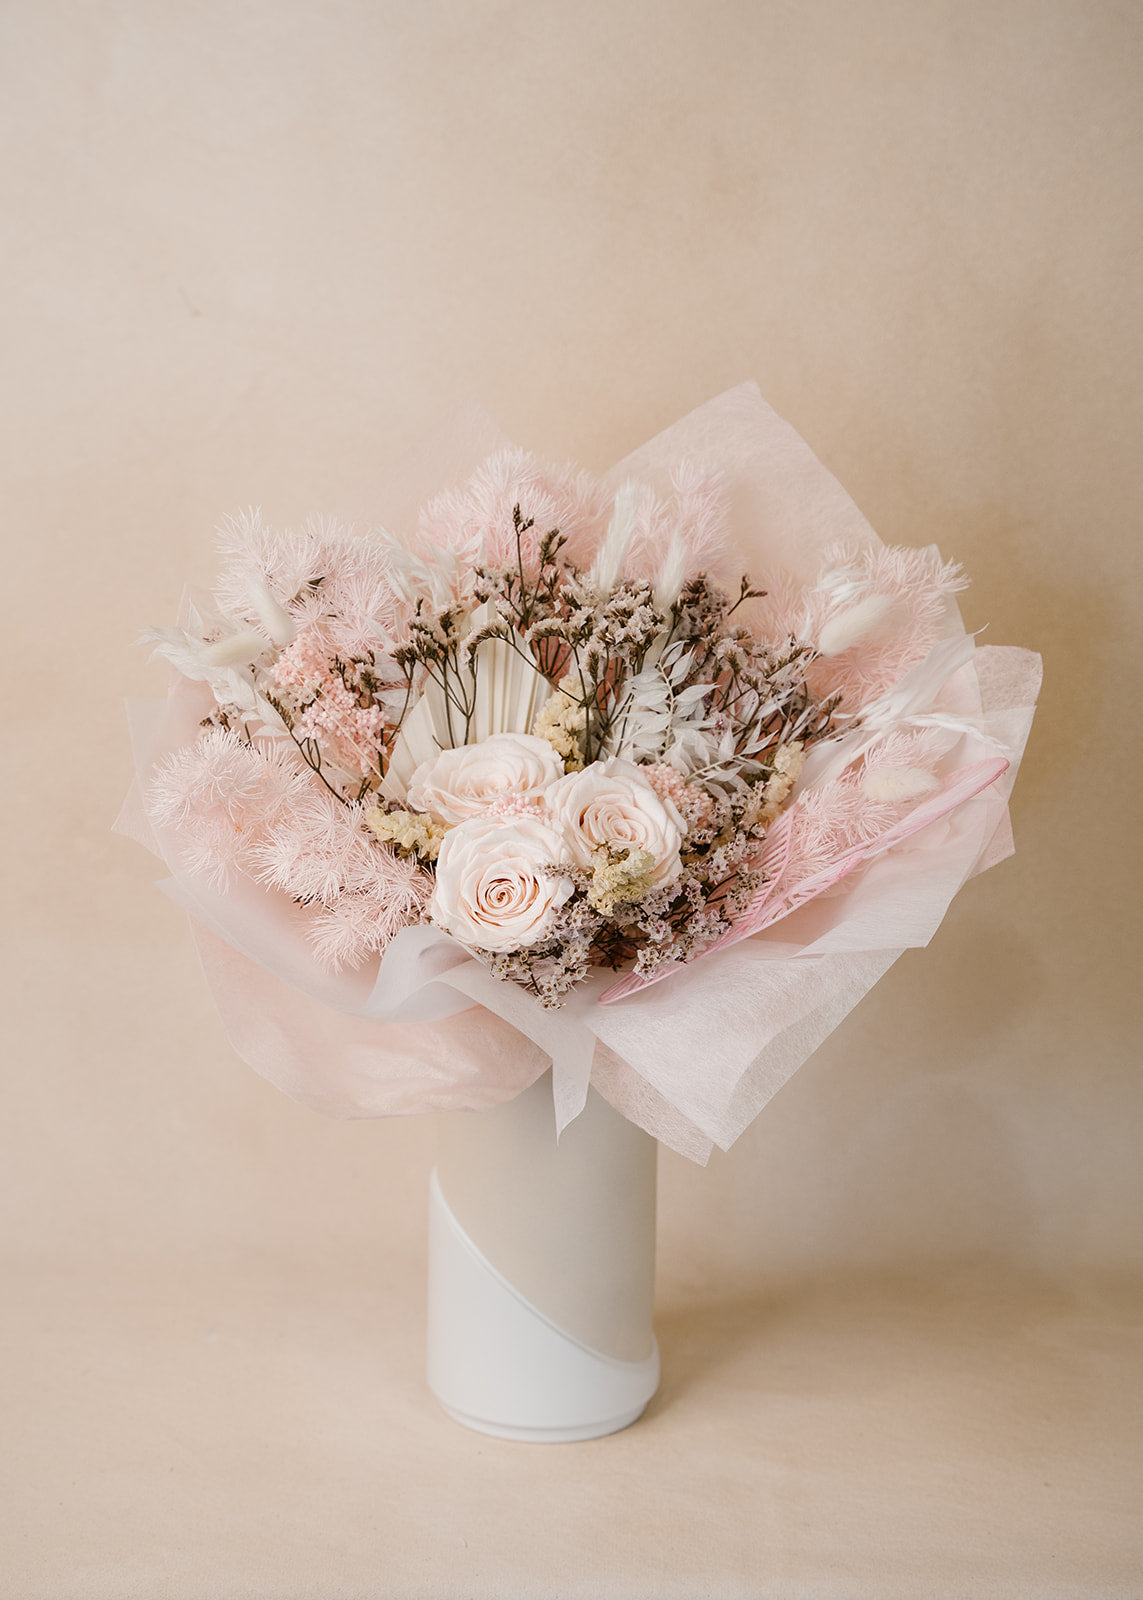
518,805
222,796
350,734
305,665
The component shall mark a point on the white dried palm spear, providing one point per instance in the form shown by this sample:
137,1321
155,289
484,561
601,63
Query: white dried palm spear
508,695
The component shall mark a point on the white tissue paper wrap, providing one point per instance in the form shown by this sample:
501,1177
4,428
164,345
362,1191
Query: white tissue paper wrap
691,1059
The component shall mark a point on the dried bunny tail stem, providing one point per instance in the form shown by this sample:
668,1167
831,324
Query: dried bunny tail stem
608,564
845,628
237,650
903,765
672,575
276,620
875,614
323,573
908,706
885,785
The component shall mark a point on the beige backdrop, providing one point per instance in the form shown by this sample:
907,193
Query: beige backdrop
250,250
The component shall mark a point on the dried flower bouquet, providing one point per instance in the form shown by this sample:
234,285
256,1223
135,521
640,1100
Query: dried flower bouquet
550,731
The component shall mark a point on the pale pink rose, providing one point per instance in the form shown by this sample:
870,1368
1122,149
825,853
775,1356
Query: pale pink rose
611,802
463,783
491,890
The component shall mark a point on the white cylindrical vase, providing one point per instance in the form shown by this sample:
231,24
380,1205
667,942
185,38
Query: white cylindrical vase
542,1270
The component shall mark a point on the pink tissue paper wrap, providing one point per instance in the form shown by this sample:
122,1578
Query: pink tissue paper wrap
693,1059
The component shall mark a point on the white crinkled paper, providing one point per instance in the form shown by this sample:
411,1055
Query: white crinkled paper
691,1059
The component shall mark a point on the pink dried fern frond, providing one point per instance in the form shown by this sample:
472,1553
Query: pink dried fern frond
322,574
315,851
361,922
479,515
222,796
691,520
829,822
848,813
237,807
873,613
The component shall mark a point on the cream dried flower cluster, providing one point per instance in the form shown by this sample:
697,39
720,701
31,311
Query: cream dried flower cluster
538,722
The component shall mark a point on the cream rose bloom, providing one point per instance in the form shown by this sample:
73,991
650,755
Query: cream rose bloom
465,782
611,802
491,889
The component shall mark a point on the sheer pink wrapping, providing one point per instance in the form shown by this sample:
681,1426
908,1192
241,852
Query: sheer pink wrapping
694,1058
